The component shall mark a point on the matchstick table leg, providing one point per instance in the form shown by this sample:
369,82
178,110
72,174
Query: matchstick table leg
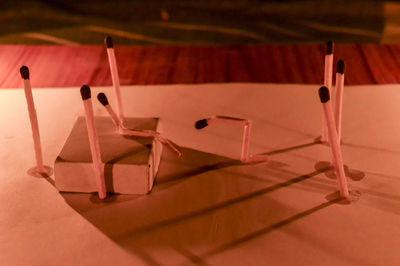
115,79
95,150
334,144
93,142
244,156
328,84
34,126
337,154
328,71
339,101
40,170
339,98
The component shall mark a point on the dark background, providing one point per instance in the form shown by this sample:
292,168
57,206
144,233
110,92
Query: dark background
199,22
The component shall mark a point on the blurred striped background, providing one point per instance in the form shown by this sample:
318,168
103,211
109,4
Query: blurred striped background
196,41
154,22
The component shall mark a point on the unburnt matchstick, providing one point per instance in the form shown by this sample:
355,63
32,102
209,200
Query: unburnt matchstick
334,143
135,133
93,141
40,169
328,70
244,155
114,74
339,97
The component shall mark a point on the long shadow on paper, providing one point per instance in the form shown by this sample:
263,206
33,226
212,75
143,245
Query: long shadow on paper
198,203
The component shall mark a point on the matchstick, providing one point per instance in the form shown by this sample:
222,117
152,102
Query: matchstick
135,133
330,47
327,82
169,143
244,155
339,97
104,101
114,74
93,141
334,143
33,119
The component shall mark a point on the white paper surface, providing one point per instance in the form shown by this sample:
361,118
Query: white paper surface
206,207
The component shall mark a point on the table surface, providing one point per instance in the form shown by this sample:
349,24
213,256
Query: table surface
67,66
207,207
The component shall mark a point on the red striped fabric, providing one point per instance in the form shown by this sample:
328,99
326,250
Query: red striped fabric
64,66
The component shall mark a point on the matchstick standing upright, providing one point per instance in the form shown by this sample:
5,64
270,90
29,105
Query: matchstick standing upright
327,82
334,143
328,69
40,169
93,141
339,97
244,155
114,75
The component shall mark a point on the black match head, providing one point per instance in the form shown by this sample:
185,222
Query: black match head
324,94
340,67
102,98
85,92
24,70
330,47
108,42
201,124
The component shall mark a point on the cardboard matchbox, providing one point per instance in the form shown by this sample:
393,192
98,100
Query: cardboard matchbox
130,163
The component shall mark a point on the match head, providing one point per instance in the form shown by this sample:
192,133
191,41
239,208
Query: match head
340,67
102,98
324,94
85,92
201,124
330,47
24,70
108,42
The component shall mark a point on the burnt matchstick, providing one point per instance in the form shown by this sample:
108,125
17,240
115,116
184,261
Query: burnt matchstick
108,42
114,74
328,70
330,47
201,124
24,70
244,156
93,141
339,97
135,133
102,98
334,143
104,101
340,66
40,168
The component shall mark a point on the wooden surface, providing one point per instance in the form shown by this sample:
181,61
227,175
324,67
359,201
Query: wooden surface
207,208
63,66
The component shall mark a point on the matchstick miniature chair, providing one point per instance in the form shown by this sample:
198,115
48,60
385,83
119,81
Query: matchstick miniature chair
245,157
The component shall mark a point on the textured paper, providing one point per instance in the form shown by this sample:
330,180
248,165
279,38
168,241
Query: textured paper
206,207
